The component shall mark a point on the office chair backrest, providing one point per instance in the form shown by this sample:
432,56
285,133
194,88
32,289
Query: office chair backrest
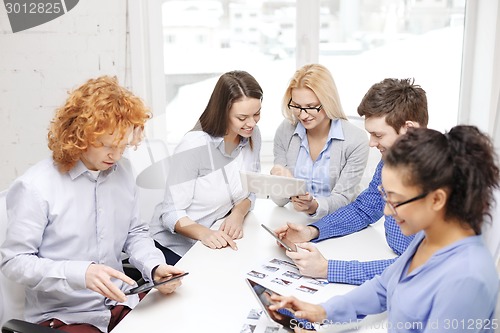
149,162
11,293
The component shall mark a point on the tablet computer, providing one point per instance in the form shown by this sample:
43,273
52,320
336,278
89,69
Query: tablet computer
266,186
288,245
283,316
150,285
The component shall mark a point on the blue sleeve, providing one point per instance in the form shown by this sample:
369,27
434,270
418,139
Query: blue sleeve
369,298
366,209
355,272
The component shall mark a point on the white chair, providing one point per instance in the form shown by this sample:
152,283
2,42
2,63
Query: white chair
11,293
149,162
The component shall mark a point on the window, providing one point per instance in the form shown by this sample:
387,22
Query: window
255,36
368,41
360,41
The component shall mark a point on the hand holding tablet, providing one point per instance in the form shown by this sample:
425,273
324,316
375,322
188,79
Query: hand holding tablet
288,245
149,285
282,316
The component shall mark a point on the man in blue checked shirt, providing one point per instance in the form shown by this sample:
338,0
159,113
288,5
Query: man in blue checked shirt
390,107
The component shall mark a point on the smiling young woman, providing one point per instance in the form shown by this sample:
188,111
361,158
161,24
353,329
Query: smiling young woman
225,141
316,143
442,191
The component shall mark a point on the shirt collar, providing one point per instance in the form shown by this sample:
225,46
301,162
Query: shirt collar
80,169
218,142
335,132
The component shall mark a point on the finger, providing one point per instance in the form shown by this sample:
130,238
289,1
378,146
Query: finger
282,229
229,241
296,256
239,235
305,196
170,287
121,276
298,207
210,244
306,246
300,314
292,226
222,226
109,290
166,270
231,231
218,243
302,201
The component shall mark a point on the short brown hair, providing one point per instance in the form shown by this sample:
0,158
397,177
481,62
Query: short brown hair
100,106
400,100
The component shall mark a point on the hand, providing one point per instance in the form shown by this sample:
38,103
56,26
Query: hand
98,278
163,271
309,260
303,310
233,225
279,170
297,233
305,203
217,239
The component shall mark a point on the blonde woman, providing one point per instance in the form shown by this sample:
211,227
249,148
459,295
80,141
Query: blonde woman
316,143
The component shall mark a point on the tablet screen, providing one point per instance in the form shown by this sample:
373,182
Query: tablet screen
264,297
284,317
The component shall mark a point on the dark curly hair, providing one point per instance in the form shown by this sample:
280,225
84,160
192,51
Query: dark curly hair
463,161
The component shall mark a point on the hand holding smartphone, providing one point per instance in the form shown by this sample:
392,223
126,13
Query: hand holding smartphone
288,245
149,285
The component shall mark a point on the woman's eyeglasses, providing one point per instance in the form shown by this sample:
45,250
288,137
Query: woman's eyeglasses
392,205
298,109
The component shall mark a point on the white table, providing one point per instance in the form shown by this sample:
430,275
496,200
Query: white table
214,296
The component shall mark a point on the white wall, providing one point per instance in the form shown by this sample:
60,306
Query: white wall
480,89
38,66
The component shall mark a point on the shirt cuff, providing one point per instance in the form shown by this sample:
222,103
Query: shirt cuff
322,209
75,272
168,220
337,271
252,198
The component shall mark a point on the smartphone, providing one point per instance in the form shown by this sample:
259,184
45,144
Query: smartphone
149,285
288,245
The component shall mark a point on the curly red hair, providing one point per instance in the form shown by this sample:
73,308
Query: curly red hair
100,106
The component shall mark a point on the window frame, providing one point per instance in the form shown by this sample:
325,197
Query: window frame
480,69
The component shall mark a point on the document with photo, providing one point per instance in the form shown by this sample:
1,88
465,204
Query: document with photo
284,277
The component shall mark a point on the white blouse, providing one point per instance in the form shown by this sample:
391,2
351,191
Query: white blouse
203,183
